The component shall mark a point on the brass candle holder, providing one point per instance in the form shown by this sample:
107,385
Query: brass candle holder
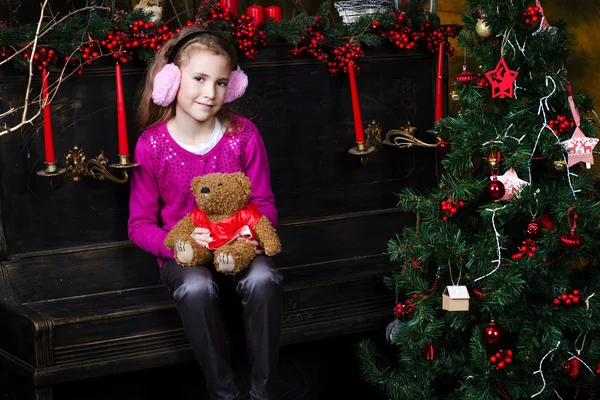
78,167
405,138
51,170
371,143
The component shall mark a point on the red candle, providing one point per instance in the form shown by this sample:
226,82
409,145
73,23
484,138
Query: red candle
48,139
358,125
273,12
257,14
232,5
121,123
439,84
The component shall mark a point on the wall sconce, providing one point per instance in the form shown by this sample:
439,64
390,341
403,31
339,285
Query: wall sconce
371,143
405,137
76,167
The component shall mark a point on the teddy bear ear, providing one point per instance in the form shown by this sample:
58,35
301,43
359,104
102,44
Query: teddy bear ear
195,183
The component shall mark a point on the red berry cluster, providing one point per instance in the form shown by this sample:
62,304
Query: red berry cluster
434,36
89,52
502,358
406,308
568,299
4,54
146,35
598,369
42,58
248,37
313,43
481,81
532,15
342,57
115,43
562,124
218,13
527,248
400,34
149,35
450,207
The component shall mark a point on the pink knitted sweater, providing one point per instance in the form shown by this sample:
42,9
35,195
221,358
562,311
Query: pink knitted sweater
160,186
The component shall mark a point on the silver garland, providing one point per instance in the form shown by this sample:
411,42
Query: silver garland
352,10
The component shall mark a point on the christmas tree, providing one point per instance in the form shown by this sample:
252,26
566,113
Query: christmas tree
498,287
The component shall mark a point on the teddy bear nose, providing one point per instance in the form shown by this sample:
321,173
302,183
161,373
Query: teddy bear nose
205,190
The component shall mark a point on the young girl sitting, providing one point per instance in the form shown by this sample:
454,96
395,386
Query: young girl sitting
188,134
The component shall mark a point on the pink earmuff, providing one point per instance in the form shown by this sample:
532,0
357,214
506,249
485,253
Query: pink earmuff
238,82
166,85
168,79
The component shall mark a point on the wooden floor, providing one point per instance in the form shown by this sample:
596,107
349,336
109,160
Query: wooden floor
318,370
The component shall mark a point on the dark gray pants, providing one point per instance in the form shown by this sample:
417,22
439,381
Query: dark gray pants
196,295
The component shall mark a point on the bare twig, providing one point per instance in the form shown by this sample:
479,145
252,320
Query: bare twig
52,89
175,11
187,9
7,113
22,123
35,40
175,17
49,29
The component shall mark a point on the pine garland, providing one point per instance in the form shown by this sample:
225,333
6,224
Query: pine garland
91,33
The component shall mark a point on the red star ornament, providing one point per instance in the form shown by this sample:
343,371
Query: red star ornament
512,184
580,148
502,80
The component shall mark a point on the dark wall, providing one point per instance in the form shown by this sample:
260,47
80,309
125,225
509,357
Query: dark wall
304,115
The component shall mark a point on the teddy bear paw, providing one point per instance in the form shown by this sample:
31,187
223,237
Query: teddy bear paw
184,252
225,263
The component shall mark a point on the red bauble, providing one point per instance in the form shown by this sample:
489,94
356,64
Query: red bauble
495,190
572,369
546,223
492,334
571,241
465,76
534,230
429,352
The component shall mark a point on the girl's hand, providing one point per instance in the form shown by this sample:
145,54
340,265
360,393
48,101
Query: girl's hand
202,236
259,250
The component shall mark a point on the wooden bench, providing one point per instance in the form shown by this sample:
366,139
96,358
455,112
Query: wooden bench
78,300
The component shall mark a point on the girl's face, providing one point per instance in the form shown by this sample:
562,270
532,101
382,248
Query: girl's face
203,86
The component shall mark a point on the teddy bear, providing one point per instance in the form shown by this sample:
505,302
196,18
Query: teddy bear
223,208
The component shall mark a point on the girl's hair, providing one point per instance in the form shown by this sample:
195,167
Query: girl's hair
148,113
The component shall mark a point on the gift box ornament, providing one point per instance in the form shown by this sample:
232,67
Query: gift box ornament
455,298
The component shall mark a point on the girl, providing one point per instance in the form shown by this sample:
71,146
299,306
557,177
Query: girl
190,134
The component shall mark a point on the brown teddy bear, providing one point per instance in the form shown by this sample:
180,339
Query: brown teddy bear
222,208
